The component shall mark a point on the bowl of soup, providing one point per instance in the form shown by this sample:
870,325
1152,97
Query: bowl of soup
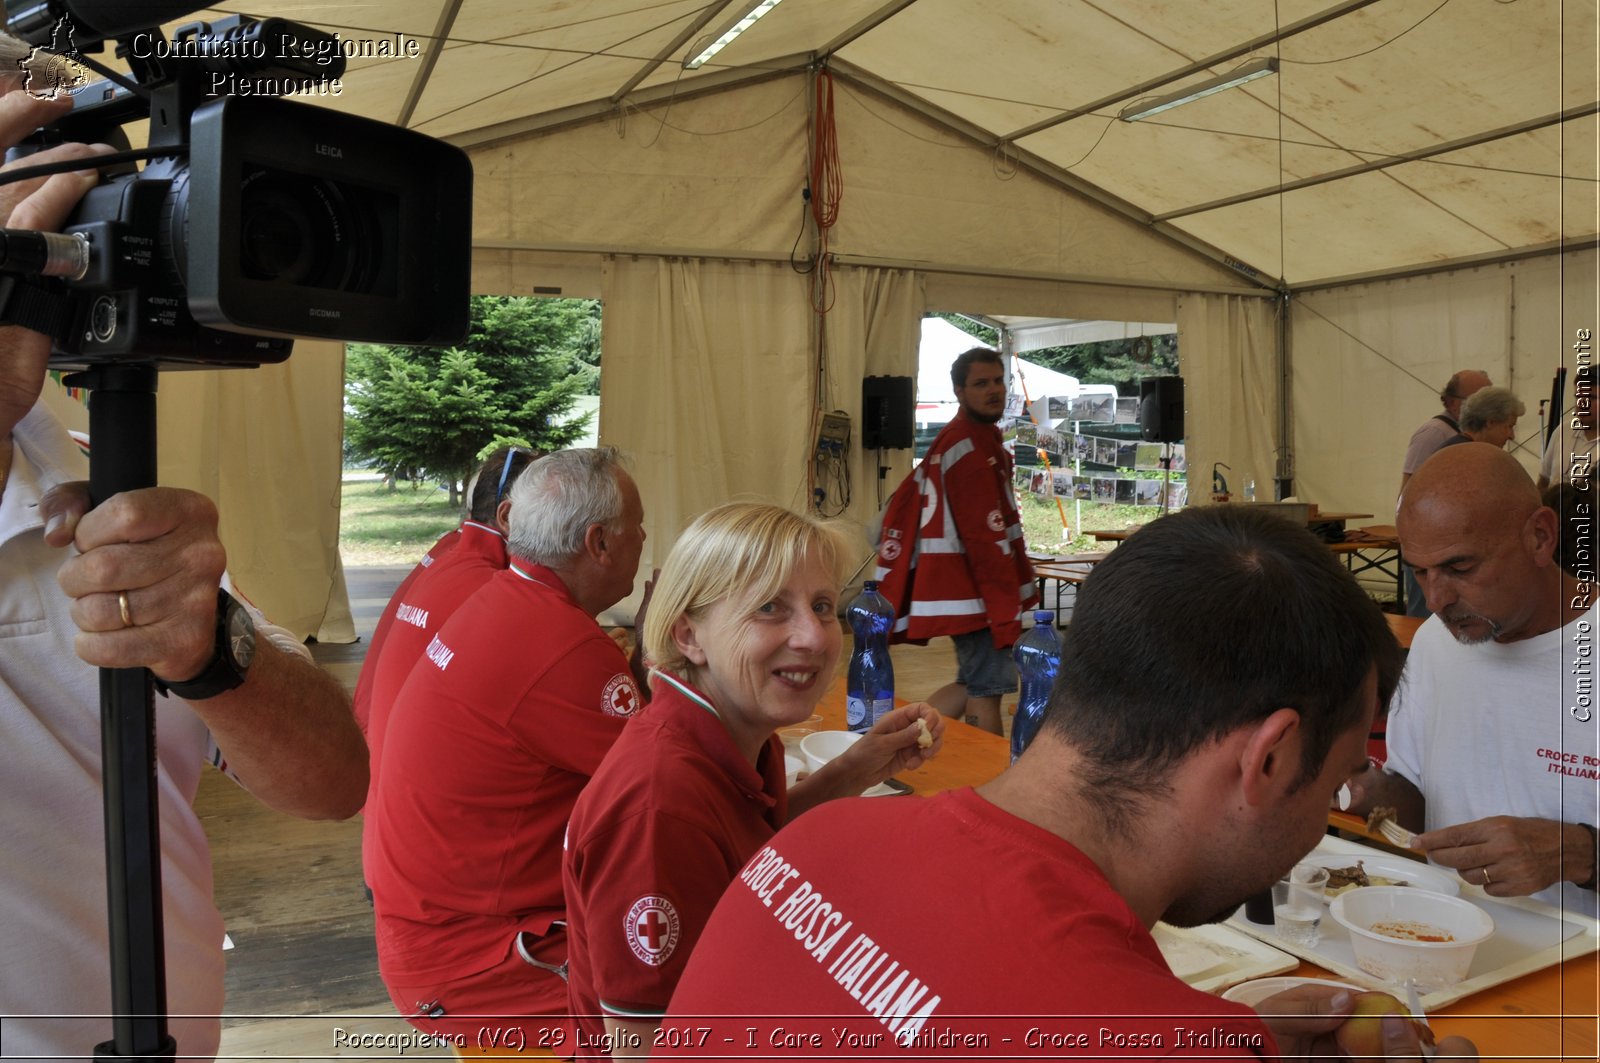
1400,934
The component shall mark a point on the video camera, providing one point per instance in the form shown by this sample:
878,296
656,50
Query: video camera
255,220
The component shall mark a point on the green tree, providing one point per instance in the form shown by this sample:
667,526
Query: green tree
431,410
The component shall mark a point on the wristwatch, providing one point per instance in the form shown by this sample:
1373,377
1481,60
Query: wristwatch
230,660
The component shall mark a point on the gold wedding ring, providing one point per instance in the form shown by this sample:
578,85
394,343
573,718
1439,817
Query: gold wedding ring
122,604
1485,871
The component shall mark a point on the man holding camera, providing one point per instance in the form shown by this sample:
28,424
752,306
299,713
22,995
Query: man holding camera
138,588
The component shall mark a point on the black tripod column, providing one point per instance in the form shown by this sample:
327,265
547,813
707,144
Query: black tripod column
122,457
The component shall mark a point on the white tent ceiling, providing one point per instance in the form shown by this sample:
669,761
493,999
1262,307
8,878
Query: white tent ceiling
1398,134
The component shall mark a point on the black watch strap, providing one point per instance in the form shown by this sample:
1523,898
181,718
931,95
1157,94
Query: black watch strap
225,671
1594,872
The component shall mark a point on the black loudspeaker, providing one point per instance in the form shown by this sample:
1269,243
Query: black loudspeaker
888,410
1161,409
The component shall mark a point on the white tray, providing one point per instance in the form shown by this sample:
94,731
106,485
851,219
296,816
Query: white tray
1528,936
1212,958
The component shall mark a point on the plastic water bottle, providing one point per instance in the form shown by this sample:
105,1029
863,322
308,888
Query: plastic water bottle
869,688
1038,655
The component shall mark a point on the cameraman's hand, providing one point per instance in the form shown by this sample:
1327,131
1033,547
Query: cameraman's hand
158,547
38,203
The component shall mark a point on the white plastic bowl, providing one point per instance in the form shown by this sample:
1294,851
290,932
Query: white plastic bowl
1255,991
823,746
1434,964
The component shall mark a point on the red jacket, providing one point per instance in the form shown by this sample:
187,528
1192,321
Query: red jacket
951,557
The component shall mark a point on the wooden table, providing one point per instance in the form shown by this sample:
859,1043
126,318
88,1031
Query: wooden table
1385,557
1069,570
1550,1014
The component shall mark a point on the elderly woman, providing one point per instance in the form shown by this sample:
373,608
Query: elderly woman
1489,416
743,639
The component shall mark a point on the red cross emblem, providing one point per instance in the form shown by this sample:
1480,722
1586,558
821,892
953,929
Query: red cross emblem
620,697
652,930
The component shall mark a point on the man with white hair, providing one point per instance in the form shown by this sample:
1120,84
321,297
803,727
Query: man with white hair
497,729
1492,738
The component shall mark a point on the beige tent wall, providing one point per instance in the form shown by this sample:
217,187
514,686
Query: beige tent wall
711,372
1228,356
1368,362
707,386
721,176
917,192
873,329
265,446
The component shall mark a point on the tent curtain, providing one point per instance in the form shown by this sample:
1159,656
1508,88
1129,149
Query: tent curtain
1227,353
265,446
716,402
709,387
1376,356
873,329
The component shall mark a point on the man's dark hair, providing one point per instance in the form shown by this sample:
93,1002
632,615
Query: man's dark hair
1199,624
490,487
965,360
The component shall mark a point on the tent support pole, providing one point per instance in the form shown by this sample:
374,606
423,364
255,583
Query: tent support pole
1285,470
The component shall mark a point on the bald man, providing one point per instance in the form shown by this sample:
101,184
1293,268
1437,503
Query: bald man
1492,736
1426,441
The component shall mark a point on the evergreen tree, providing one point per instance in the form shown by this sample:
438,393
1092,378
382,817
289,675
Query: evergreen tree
415,410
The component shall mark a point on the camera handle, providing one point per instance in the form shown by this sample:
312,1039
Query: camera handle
122,417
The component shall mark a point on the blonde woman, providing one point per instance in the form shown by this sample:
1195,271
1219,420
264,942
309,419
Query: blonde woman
743,639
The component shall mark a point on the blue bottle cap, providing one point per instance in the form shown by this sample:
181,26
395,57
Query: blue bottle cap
1044,616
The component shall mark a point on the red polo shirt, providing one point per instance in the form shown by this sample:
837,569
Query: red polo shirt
420,611
671,816
380,634
502,722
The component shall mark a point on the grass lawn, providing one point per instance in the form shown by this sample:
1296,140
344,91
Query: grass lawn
380,527
1041,523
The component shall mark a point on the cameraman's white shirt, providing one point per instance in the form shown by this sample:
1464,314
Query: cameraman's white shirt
54,958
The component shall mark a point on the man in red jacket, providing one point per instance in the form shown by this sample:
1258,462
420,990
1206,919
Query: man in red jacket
951,559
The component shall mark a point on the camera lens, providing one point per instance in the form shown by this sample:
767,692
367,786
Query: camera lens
308,231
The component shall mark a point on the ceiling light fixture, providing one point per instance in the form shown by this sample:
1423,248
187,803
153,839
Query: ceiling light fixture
746,18
1255,68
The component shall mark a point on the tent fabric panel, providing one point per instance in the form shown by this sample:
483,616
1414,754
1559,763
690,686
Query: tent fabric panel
1228,358
1378,354
575,275
873,329
713,398
1368,363
264,445
1326,231
716,186
969,293
715,401
914,191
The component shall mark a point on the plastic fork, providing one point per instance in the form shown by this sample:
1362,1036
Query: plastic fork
1414,1002
1395,834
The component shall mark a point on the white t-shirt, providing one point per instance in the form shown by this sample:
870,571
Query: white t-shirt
1565,450
54,956
1426,441
1503,729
